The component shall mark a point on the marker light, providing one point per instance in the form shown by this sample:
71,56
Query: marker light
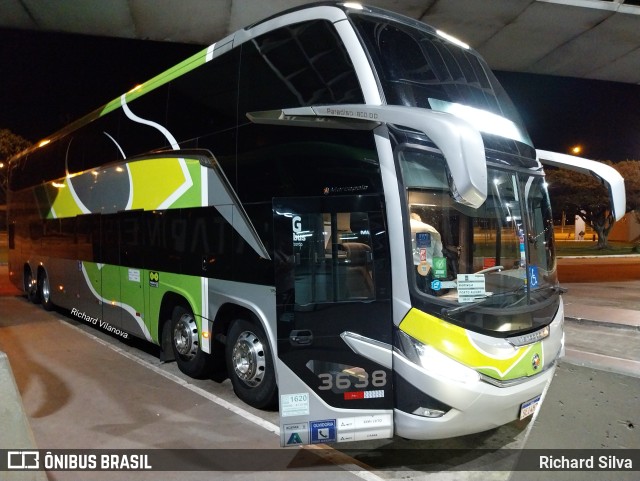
453,39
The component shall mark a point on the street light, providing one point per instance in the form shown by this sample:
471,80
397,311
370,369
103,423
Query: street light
576,149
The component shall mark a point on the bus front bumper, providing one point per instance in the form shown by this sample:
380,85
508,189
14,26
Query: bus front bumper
475,407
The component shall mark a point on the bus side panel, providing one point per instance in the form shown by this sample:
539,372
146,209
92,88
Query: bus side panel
88,301
158,284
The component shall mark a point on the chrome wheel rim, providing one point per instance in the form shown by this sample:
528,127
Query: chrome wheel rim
185,337
248,358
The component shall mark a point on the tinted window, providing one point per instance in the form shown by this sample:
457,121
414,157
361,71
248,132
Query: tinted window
204,100
190,241
414,65
93,145
136,136
110,253
39,166
286,161
297,65
132,241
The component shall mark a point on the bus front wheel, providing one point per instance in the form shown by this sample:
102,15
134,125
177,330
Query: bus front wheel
185,342
250,365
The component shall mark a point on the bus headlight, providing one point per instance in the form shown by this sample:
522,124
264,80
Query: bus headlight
435,362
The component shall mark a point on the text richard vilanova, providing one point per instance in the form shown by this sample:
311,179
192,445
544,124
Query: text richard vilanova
99,322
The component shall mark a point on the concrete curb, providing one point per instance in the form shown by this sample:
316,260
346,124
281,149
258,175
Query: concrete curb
628,367
16,432
594,322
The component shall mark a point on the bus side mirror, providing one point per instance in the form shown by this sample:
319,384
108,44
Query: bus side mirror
604,173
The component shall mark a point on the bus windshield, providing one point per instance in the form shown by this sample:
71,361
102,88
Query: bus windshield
416,67
490,268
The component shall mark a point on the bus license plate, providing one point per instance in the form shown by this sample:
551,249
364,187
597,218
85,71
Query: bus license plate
529,407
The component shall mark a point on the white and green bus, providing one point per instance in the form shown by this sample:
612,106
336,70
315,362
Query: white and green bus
338,208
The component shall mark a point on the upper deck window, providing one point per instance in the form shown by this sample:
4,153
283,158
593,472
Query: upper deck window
297,65
415,67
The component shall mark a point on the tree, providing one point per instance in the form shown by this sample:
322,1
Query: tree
630,170
10,144
582,195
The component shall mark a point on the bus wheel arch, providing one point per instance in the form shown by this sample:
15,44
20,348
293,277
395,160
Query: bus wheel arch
250,363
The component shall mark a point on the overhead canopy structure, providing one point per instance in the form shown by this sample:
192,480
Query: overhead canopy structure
596,39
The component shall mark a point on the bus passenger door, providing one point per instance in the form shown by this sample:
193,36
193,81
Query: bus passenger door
334,323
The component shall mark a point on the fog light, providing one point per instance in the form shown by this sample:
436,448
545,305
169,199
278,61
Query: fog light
428,412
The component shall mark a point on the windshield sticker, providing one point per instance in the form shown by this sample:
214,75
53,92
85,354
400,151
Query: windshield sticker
423,239
440,267
471,287
424,267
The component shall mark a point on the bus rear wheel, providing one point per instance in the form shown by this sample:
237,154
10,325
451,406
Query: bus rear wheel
30,286
250,365
44,291
185,342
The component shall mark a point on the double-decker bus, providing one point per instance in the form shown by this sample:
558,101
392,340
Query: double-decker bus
337,207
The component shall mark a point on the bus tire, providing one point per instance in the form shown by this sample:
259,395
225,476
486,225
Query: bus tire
250,365
185,343
44,291
30,287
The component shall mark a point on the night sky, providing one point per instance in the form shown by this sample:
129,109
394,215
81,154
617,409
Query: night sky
48,80
561,112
